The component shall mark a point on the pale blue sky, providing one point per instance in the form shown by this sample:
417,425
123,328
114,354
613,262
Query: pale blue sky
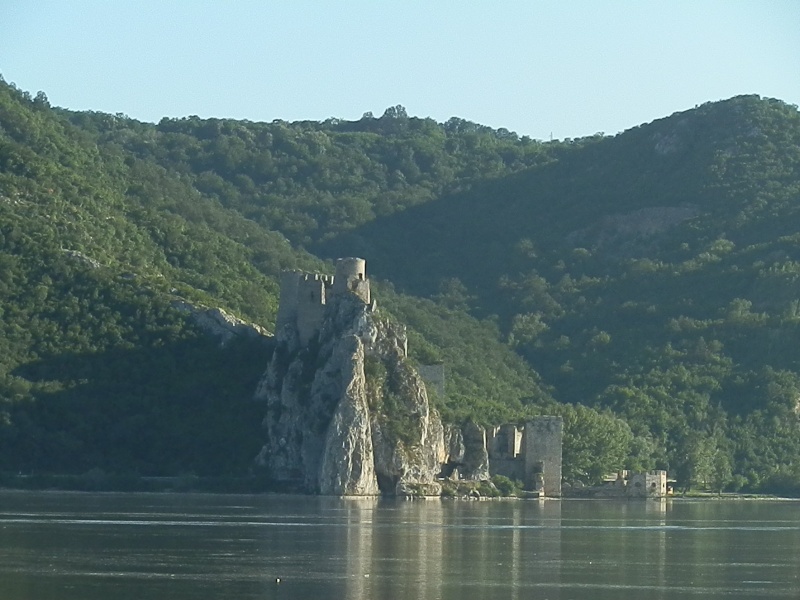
538,68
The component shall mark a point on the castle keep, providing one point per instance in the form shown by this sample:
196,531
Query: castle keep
304,295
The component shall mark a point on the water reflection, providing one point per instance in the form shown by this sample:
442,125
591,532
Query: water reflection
433,549
93,547
656,512
358,545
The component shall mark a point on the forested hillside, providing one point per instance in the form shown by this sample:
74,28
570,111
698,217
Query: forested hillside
99,372
654,273
643,285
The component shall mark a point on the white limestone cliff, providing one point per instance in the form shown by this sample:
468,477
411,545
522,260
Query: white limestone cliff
220,324
346,414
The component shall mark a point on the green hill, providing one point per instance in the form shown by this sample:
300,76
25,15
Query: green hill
98,369
651,274
654,273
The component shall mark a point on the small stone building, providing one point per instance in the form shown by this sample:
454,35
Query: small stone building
652,484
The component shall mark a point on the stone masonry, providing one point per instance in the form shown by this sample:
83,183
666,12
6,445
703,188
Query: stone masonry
531,454
304,296
543,455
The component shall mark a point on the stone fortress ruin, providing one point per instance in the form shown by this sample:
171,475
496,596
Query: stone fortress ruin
630,484
304,296
325,435
530,454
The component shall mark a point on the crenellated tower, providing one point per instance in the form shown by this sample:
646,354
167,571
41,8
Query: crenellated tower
304,296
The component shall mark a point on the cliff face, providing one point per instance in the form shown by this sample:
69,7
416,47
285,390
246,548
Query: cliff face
346,414
218,323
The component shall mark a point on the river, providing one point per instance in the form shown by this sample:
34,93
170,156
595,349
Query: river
76,546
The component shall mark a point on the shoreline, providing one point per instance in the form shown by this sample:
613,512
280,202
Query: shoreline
204,490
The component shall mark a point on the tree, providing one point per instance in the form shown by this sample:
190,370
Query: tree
395,112
40,101
595,443
704,462
454,294
526,328
721,471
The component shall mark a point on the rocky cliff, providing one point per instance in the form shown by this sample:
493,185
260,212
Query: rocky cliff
346,414
220,324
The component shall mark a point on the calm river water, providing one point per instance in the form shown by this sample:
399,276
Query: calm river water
65,546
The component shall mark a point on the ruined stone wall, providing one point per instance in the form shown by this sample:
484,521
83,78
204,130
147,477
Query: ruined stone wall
513,468
652,484
312,291
287,305
657,483
505,441
542,440
506,456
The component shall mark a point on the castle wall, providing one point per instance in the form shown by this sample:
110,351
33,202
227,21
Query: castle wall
542,440
652,484
287,306
311,296
505,441
513,468
304,296
628,484
505,446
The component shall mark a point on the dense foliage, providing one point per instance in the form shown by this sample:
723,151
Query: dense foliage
98,371
644,285
654,273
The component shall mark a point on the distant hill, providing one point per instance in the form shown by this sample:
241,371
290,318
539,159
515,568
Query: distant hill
654,272
650,276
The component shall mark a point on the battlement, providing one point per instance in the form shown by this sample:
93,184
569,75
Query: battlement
326,280
304,296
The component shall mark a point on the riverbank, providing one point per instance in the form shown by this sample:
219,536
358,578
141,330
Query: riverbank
98,481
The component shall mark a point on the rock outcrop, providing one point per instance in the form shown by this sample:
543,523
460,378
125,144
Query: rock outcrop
220,324
346,414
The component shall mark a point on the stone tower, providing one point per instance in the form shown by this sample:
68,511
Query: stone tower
287,305
543,455
351,276
304,296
